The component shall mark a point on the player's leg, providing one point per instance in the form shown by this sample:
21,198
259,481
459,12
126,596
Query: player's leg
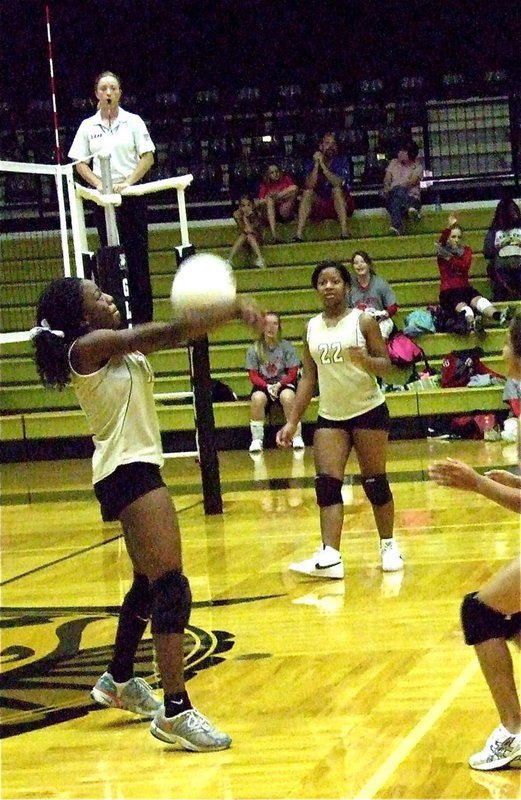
489,618
331,448
306,204
154,544
258,404
370,440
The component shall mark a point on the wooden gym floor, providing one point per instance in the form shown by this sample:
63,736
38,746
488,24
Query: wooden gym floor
359,688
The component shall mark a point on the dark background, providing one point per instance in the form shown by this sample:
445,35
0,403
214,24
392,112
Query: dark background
159,46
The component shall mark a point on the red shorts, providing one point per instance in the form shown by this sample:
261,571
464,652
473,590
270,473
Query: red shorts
325,209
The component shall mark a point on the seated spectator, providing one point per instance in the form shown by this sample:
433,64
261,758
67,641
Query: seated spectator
272,365
401,188
251,226
372,293
502,247
326,192
277,197
457,295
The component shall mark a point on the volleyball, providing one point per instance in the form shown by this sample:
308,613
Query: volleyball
201,281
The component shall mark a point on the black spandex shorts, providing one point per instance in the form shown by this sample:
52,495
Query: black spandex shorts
375,419
450,298
128,482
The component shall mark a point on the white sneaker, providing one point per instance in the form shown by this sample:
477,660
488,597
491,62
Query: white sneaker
501,748
325,563
256,446
298,443
392,560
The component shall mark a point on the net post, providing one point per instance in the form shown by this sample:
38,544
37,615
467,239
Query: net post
199,355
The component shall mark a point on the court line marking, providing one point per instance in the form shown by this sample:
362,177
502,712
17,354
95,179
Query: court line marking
375,783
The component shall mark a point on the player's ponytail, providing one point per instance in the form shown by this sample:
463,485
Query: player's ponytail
59,321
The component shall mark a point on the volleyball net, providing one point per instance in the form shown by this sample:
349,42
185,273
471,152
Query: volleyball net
46,237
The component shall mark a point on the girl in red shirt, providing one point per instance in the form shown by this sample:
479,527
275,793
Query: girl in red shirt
457,295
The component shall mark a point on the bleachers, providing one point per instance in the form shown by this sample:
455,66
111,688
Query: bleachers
31,414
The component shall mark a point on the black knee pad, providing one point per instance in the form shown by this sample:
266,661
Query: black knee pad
171,603
377,489
138,599
481,622
328,490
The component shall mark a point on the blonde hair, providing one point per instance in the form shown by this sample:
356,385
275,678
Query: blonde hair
260,343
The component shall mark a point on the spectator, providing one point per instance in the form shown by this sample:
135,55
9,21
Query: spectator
272,365
371,293
457,295
502,247
250,223
278,197
401,188
326,192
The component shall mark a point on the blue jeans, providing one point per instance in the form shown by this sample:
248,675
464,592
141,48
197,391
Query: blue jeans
398,202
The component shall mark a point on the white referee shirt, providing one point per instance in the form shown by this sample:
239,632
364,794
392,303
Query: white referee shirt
127,139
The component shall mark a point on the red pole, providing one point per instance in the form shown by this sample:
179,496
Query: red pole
53,88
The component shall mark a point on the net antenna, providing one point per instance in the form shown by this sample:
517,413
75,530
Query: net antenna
53,87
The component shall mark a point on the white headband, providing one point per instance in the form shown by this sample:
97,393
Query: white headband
44,326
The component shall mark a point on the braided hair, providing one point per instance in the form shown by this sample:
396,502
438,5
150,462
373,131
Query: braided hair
61,307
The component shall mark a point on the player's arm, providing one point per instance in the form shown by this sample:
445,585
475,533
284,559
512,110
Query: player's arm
459,475
96,347
144,164
375,357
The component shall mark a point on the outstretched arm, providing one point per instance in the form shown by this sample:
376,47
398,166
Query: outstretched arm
459,475
97,346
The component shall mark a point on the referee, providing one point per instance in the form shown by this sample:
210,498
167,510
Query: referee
126,138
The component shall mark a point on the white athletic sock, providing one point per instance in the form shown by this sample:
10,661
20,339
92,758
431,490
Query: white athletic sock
257,429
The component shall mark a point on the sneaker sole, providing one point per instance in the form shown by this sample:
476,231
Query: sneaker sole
324,573
107,701
488,766
169,738
393,569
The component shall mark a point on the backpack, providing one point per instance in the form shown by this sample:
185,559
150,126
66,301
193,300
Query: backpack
459,366
418,322
222,393
404,352
448,323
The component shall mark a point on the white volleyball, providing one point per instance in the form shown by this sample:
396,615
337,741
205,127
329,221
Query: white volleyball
203,280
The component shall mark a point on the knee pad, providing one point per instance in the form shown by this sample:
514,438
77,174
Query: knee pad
481,622
377,489
138,599
171,603
328,490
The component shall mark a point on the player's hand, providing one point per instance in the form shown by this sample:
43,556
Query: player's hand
274,390
285,436
504,477
250,313
357,356
452,220
452,472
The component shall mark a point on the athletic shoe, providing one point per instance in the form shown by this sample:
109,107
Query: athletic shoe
394,231
190,729
259,262
506,315
392,560
479,324
298,443
256,446
413,214
135,695
346,235
297,239
325,563
501,748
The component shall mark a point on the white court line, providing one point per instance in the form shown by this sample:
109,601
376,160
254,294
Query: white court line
389,766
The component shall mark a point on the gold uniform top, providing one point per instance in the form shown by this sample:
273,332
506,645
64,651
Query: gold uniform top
118,401
346,390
